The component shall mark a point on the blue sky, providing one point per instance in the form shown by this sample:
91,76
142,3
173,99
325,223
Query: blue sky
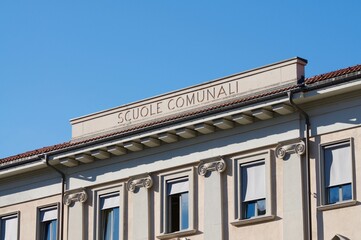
64,59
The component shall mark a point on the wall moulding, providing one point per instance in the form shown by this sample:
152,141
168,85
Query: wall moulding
214,164
283,149
144,180
76,195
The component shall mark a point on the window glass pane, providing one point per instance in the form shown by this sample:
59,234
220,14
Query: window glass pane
261,207
333,195
174,212
249,209
346,192
49,231
107,218
116,224
184,207
111,223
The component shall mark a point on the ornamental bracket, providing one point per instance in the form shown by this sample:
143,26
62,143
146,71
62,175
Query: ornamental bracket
144,180
214,164
298,148
76,195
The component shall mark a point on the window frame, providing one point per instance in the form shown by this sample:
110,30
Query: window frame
105,192
164,179
38,218
250,159
10,215
323,202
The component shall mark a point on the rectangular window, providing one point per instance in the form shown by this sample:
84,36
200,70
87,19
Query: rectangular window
109,215
178,207
337,173
253,189
48,223
9,227
109,212
177,204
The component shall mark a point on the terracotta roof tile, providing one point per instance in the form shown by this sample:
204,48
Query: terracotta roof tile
180,116
333,74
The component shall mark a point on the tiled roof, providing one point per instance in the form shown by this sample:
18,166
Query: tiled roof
311,80
333,74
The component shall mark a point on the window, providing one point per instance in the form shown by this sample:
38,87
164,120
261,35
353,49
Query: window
48,223
337,169
177,204
109,206
253,188
109,213
9,227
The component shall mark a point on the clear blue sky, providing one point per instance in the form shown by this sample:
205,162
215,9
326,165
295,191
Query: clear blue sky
64,59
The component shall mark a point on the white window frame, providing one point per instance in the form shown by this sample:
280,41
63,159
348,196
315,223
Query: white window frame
249,159
104,192
39,223
188,174
323,203
11,215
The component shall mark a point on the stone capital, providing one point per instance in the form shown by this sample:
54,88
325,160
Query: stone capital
76,195
210,165
144,180
283,149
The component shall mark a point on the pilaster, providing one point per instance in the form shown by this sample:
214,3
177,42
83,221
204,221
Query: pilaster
294,207
138,186
211,170
74,200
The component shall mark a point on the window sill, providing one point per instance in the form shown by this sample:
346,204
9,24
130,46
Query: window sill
253,220
337,205
177,234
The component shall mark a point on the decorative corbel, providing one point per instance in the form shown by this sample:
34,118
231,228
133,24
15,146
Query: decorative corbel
76,195
298,148
214,164
144,180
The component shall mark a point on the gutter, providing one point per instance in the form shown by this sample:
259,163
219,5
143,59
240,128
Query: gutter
63,182
307,141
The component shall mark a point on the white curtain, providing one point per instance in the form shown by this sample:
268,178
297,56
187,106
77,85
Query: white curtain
178,187
338,165
9,227
48,215
109,202
253,181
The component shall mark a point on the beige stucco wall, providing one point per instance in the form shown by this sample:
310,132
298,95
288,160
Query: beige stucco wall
28,214
345,221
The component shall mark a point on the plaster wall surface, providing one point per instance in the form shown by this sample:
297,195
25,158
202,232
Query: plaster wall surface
327,223
28,214
30,186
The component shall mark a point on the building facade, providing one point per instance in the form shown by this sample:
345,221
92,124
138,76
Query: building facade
263,154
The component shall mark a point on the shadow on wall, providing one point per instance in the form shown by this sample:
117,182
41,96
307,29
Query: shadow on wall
339,237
